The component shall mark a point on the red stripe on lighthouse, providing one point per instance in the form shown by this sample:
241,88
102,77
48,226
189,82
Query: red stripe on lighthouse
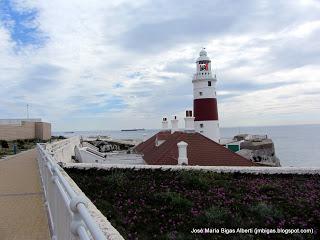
205,109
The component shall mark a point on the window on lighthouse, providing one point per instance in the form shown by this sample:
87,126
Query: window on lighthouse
209,83
203,66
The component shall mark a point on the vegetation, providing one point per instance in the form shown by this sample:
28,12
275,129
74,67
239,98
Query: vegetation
156,204
9,147
57,138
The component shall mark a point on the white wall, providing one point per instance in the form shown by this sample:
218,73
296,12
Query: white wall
63,150
210,129
218,169
202,86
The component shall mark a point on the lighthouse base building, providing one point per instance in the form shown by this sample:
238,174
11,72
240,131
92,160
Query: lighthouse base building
198,142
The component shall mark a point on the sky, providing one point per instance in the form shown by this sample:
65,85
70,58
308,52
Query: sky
100,65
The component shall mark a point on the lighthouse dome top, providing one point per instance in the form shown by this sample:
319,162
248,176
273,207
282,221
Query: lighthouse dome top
203,56
203,52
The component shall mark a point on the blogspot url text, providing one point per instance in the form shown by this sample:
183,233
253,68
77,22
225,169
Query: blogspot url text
251,231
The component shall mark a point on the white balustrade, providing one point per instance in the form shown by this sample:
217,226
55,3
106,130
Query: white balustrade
68,214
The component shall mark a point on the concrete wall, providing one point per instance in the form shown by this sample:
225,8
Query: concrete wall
63,150
25,130
218,169
43,130
85,156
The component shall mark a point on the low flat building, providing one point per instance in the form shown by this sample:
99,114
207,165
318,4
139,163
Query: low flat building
13,129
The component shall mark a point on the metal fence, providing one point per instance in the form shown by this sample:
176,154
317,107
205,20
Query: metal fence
68,213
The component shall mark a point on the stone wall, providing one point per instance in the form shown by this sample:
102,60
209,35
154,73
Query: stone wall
25,130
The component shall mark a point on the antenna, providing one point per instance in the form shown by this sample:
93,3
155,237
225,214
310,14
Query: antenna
27,111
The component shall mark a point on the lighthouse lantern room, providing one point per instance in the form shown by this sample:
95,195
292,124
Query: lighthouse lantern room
205,99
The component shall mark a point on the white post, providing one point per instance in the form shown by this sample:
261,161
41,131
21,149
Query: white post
165,123
174,124
182,149
189,121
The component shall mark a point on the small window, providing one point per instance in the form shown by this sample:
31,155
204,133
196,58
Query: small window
201,125
209,83
200,93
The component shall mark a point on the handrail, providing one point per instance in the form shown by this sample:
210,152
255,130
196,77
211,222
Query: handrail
88,149
81,221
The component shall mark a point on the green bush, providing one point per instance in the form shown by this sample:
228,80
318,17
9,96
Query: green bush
20,143
4,144
195,180
217,216
173,199
267,188
117,179
263,212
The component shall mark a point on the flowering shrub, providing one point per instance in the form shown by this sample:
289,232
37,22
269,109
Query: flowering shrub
157,204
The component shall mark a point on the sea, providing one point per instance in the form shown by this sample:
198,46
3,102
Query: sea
295,146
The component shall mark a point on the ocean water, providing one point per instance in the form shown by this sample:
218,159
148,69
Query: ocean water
296,146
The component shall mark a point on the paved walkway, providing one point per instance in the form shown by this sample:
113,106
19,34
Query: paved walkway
22,211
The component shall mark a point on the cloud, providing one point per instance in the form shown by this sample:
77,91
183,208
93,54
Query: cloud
125,64
22,25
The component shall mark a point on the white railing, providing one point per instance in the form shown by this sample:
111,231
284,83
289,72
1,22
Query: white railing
68,213
89,145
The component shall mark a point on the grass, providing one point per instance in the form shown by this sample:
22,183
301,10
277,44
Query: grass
156,204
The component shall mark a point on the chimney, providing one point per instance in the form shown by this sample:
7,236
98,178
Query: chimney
182,149
189,121
174,124
164,123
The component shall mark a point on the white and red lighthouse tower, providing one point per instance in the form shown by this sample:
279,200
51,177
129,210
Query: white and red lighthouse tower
205,100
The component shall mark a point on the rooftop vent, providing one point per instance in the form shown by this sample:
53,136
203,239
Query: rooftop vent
174,124
165,123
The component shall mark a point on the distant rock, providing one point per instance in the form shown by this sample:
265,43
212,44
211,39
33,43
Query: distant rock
258,148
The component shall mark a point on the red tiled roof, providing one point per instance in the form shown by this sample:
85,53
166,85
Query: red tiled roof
201,151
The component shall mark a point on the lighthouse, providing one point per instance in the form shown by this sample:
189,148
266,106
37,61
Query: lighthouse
205,100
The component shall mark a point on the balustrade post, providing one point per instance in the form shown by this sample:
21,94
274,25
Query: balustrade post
77,222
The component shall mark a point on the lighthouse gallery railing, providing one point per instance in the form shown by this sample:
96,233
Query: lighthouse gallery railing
68,214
